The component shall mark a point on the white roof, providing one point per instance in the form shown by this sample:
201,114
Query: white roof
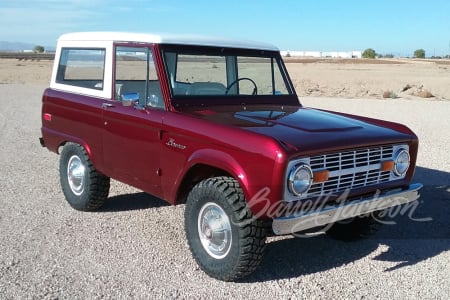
166,39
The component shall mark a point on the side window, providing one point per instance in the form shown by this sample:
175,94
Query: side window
136,77
82,67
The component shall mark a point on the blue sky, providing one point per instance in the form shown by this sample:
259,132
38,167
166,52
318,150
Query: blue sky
397,27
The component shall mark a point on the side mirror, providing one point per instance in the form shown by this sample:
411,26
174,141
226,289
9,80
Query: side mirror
129,99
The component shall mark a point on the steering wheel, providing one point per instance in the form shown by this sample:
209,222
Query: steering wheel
255,89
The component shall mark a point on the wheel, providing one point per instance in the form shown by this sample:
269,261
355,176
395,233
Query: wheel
224,237
84,188
357,228
255,89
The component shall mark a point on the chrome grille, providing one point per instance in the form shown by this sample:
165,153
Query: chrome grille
350,169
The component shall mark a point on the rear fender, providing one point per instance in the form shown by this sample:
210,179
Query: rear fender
55,140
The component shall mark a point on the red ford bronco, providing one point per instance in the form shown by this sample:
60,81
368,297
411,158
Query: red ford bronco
216,124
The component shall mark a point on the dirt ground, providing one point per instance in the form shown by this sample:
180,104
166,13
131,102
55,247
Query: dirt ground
342,78
366,78
135,247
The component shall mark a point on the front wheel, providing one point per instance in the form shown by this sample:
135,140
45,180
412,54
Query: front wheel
84,188
224,237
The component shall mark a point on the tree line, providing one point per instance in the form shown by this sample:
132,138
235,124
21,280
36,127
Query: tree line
371,53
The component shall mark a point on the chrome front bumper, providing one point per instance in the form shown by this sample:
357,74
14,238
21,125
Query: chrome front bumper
333,213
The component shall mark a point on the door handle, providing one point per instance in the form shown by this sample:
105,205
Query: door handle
106,105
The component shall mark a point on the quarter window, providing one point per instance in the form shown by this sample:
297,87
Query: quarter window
82,67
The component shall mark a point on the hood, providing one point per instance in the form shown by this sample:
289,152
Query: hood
305,129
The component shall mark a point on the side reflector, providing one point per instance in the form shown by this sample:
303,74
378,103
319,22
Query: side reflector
47,117
387,165
321,176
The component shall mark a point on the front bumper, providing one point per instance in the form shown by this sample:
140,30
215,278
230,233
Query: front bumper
333,213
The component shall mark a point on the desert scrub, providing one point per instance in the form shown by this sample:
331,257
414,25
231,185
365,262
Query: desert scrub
389,94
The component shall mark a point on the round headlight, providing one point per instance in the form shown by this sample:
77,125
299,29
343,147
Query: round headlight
300,179
401,161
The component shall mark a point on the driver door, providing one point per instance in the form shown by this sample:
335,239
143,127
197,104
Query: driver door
133,120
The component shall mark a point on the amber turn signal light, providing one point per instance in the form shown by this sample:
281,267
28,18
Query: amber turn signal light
321,176
387,165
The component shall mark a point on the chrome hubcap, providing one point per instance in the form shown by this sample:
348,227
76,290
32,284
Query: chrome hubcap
214,229
76,175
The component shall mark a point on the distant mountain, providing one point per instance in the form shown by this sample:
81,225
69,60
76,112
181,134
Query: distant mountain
18,46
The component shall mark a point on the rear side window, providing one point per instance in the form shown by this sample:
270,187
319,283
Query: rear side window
82,67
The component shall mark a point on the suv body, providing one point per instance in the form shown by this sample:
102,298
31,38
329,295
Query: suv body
216,124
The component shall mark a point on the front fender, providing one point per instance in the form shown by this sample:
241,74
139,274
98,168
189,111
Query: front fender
261,189
220,160
216,159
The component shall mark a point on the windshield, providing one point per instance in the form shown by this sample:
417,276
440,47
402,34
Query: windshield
226,73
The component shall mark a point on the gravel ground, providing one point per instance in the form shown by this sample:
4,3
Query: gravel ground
136,248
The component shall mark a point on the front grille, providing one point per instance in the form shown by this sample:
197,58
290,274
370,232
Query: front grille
350,169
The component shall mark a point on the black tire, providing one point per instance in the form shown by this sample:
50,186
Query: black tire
244,237
357,228
84,188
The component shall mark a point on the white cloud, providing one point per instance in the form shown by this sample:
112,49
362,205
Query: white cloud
42,21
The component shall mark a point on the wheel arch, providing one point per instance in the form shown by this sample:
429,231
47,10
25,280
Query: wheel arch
80,142
209,163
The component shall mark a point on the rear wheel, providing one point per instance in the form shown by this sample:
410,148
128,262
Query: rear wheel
357,228
224,237
84,188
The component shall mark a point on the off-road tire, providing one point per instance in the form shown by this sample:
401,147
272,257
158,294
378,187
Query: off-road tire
248,234
91,188
356,228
